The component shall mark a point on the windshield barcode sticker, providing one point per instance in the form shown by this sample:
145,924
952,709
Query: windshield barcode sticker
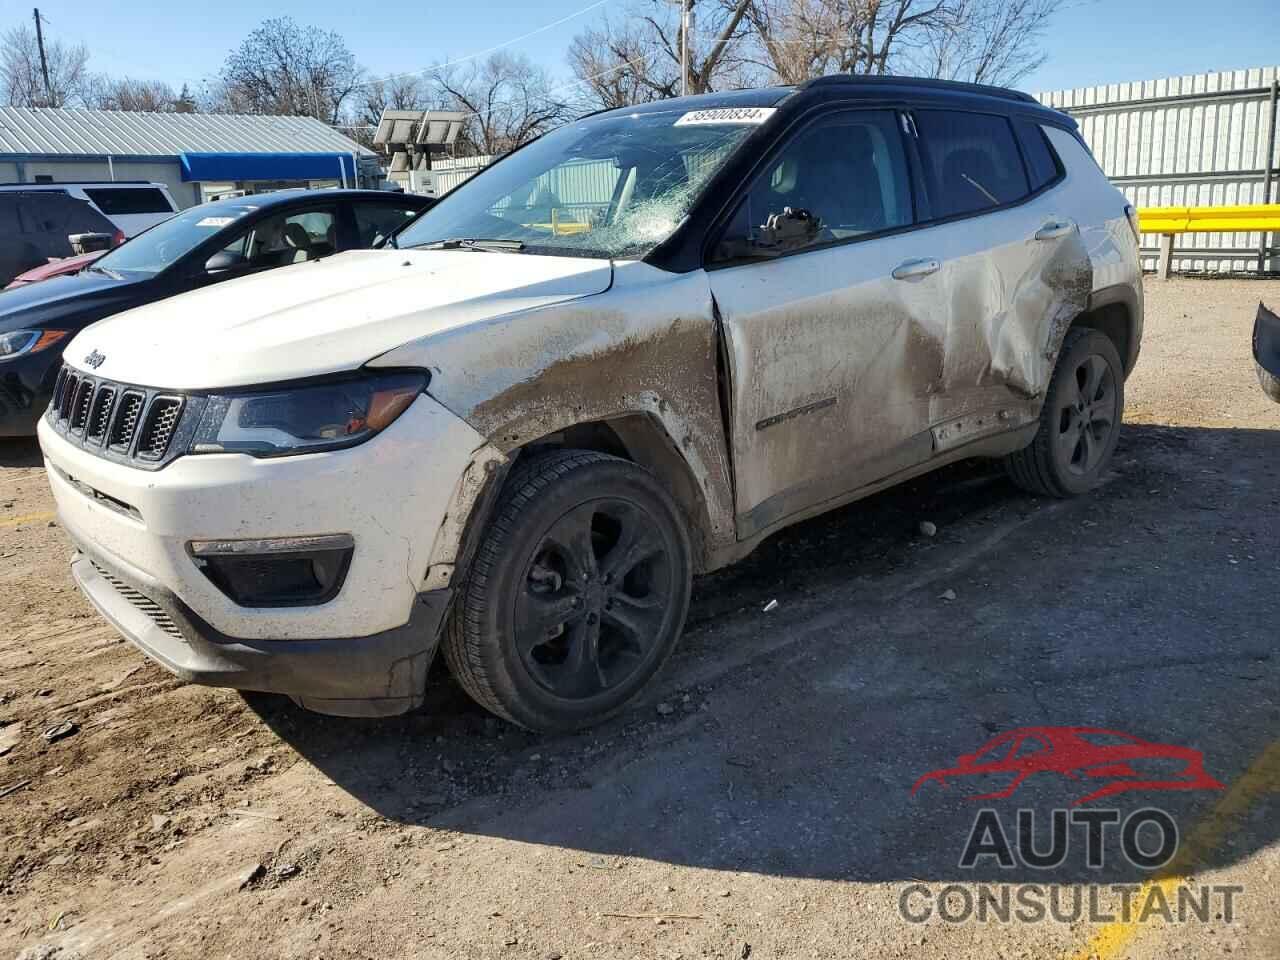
216,221
750,115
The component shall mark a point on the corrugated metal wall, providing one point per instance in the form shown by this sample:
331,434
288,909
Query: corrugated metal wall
1185,141
447,174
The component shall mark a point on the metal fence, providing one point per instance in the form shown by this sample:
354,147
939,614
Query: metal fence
448,173
1203,140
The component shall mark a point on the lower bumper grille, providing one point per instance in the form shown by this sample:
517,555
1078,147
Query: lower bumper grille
142,602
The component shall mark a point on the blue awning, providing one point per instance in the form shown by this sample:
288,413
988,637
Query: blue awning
268,166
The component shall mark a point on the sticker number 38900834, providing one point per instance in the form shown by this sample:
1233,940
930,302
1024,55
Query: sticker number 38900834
751,115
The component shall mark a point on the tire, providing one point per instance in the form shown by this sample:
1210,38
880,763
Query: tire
1080,420
577,593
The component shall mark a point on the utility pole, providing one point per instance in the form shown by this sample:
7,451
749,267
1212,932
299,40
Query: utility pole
686,18
44,63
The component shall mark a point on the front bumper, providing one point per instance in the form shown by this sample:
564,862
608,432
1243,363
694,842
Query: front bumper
374,676
363,652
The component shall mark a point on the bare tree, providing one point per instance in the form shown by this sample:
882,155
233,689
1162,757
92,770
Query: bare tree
510,99
802,39
405,92
21,80
984,41
639,60
714,60
617,66
142,96
286,68
989,41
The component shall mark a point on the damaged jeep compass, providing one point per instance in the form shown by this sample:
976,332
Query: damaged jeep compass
620,356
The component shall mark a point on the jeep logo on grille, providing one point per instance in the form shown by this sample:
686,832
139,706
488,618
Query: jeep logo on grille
95,359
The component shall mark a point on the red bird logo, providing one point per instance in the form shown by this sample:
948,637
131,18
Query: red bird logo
1077,753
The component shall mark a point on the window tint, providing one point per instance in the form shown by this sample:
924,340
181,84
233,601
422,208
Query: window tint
971,161
115,201
10,222
848,171
377,221
1042,163
57,213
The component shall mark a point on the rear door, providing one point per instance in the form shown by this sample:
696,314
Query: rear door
132,208
835,349
1013,267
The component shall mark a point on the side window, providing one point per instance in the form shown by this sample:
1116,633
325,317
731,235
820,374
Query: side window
10,223
1042,162
116,201
971,161
848,172
286,238
377,221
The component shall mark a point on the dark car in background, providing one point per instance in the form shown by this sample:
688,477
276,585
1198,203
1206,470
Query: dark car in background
37,226
1266,351
200,246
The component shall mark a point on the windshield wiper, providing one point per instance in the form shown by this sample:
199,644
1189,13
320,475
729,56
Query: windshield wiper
95,268
473,243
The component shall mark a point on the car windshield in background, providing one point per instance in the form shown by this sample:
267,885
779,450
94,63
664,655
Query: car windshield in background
152,251
614,186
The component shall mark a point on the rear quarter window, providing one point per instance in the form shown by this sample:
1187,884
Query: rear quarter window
971,161
59,214
1043,165
117,201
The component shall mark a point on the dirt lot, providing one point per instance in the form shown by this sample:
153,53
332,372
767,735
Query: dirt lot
758,802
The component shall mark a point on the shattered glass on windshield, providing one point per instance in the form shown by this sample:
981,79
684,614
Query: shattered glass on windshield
608,186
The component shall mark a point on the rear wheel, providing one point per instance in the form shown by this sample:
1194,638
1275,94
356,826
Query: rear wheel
1080,421
577,594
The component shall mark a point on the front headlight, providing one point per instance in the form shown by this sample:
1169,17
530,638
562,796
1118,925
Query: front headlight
305,419
19,342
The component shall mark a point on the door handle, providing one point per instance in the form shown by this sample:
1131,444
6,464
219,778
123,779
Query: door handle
916,269
1055,229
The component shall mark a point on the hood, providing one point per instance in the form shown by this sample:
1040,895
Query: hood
56,268
70,302
325,316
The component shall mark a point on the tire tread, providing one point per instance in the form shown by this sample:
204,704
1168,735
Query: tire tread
1031,468
464,636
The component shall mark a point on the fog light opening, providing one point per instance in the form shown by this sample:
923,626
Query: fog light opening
285,572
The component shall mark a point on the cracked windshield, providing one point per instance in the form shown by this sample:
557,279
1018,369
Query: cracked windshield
608,187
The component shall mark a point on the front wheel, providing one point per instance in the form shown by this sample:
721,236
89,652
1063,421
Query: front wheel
577,594
1080,420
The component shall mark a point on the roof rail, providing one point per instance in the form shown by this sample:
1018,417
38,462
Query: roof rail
1003,93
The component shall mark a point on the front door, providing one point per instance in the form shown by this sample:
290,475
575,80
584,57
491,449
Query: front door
835,345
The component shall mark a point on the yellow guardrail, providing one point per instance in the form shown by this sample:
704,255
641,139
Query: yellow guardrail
1240,219
1168,221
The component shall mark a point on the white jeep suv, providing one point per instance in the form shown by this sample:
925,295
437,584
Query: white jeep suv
623,355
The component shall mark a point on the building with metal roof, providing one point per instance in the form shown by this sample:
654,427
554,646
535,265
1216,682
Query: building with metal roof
197,155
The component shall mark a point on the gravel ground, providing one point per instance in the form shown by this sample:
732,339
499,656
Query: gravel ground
758,803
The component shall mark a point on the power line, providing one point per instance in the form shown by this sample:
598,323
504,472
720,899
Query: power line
489,50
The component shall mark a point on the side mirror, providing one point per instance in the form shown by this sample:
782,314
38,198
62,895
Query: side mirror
786,231
222,261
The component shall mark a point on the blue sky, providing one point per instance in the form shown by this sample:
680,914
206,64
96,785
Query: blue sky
1093,41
